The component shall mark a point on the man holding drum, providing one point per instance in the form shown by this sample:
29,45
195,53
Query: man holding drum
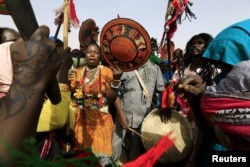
129,44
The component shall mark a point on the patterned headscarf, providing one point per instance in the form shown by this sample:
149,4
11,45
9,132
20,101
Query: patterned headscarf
227,105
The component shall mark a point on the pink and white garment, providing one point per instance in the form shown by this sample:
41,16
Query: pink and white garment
6,68
227,105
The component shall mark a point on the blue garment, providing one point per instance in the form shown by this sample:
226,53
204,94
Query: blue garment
166,74
231,45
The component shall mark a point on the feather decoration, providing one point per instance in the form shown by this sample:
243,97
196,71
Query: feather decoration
59,13
73,19
174,12
149,158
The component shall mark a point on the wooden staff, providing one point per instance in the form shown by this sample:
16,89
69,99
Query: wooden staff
66,24
139,134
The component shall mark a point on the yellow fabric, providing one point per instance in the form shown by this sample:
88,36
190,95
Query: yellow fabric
94,128
54,116
72,115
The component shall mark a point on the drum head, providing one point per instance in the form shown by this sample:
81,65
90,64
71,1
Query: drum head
153,129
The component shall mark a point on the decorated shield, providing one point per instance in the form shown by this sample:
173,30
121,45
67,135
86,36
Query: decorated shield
125,42
88,33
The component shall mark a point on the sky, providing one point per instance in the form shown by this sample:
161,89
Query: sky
212,16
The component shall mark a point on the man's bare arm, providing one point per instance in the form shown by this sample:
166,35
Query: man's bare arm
35,63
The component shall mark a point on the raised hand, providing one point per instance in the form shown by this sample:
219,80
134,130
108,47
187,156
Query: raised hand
35,60
35,63
190,88
117,72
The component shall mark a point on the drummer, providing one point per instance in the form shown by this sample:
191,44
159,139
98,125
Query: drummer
139,81
192,64
133,105
230,51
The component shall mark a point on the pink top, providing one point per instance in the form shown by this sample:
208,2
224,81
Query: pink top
6,69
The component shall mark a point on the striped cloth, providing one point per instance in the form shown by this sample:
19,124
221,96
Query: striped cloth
3,9
227,105
230,114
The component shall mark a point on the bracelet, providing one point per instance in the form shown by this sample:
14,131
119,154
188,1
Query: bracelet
116,81
63,87
116,86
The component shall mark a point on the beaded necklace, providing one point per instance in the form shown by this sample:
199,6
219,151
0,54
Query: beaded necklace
99,96
84,79
91,70
87,81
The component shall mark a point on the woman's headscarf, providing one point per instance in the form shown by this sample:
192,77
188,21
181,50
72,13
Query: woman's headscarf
227,104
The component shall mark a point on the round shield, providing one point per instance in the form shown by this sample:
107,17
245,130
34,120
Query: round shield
153,128
125,42
88,33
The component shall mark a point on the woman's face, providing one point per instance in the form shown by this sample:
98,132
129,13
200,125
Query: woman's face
92,56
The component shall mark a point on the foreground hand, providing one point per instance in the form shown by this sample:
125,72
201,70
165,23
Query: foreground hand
190,88
35,64
37,60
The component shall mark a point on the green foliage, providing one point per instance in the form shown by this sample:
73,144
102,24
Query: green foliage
30,157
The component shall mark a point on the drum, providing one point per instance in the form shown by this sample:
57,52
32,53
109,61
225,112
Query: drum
153,129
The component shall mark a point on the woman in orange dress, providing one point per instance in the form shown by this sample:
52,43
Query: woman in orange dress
93,88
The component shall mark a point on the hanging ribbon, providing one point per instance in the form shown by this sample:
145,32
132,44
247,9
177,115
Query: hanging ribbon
74,21
70,19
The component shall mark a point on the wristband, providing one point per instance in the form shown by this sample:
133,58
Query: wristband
115,86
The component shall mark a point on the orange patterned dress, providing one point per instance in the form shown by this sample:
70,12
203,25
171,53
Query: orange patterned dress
93,124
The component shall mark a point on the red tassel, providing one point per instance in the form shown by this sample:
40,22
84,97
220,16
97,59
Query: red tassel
165,97
149,158
171,25
73,18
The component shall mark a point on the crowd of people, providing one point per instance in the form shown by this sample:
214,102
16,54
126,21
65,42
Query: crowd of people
102,107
